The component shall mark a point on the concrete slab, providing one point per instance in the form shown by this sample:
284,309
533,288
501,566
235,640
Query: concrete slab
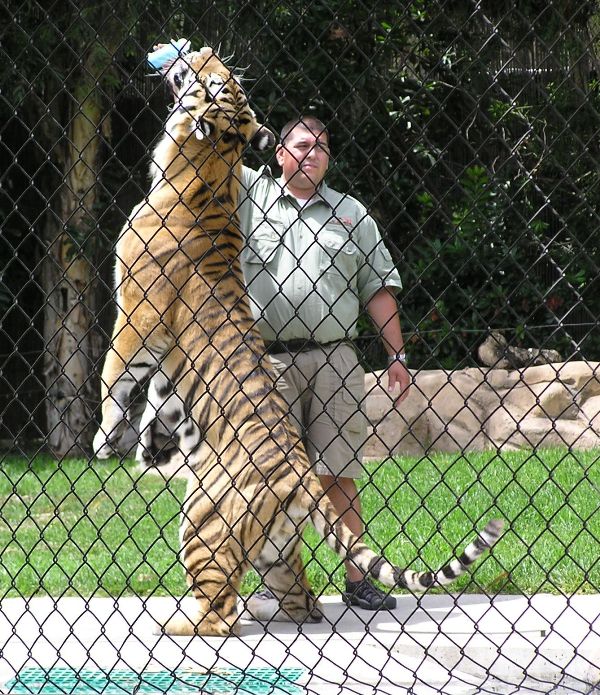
438,643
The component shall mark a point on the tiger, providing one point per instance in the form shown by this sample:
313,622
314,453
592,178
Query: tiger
184,321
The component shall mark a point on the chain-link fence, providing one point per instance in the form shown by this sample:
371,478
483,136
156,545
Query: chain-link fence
258,341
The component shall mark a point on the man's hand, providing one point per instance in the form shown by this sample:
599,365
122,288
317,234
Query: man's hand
398,375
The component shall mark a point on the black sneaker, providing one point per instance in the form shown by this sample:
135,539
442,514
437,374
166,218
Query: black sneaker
263,594
364,595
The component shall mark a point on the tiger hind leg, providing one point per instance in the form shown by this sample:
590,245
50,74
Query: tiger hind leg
214,569
216,592
293,599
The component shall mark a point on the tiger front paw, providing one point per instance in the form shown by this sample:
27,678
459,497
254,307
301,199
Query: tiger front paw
102,446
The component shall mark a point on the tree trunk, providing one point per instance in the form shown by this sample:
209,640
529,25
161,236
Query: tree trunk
71,344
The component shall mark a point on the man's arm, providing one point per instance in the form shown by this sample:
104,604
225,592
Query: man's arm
383,310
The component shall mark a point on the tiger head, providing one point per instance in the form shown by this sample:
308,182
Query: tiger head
211,103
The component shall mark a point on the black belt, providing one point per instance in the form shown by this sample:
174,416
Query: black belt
275,347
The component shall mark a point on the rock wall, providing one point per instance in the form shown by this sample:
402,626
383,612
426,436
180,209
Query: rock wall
486,408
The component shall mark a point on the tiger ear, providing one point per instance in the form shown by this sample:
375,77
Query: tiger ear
263,139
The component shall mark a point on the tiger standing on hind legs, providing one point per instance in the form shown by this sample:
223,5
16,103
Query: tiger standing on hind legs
184,314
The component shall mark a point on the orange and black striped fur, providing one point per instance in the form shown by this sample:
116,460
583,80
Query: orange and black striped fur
184,316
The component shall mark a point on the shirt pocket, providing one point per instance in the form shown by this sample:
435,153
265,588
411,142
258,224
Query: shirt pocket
263,244
338,254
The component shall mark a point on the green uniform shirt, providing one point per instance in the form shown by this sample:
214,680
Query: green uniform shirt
308,268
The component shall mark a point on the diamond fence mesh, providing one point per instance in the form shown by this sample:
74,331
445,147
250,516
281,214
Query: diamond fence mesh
468,131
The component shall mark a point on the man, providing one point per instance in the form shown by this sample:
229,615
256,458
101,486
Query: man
312,257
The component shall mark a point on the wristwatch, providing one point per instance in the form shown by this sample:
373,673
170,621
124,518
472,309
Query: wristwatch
398,357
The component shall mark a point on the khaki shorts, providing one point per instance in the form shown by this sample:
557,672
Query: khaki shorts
325,390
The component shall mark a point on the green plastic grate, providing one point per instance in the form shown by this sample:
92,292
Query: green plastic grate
65,681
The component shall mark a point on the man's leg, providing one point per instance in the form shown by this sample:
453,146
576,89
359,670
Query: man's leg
344,496
359,590
336,432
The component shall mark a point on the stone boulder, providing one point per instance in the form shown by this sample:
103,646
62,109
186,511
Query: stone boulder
496,352
479,408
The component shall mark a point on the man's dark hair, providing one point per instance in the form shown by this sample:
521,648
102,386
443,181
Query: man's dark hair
311,122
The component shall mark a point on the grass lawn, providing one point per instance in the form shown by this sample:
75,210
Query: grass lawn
76,528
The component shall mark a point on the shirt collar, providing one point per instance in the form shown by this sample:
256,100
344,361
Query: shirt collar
322,195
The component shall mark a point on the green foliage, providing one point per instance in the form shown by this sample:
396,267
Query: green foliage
482,177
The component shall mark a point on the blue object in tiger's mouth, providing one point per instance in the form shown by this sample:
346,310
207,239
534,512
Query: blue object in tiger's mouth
168,53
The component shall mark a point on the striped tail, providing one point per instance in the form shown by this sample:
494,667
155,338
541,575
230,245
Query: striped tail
343,542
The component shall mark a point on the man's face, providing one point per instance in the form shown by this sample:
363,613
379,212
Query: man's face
304,158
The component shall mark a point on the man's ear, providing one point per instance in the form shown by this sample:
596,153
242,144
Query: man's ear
279,154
